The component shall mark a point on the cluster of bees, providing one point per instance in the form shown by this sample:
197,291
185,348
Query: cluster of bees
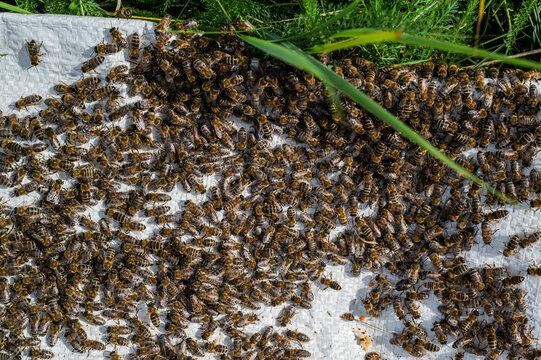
277,216
464,294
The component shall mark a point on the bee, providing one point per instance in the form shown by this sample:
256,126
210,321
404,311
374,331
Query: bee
513,280
486,232
54,194
440,333
153,313
118,340
27,101
461,342
531,239
534,270
235,80
217,348
406,105
87,172
118,38
26,188
520,301
115,72
103,92
398,308
116,330
124,13
134,46
54,334
287,314
434,285
347,317
92,64
204,70
106,49
511,245
33,49
93,319
116,215
496,215
413,350
41,354
163,24
427,345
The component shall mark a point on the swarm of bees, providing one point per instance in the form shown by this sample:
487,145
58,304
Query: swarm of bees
278,214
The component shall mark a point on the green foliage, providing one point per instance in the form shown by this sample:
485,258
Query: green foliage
246,9
512,26
28,5
10,7
535,24
56,7
84,8
508,26
519,22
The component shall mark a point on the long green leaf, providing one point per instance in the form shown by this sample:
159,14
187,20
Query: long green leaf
363,39
13,8
317,30
466,50
360,37
307,63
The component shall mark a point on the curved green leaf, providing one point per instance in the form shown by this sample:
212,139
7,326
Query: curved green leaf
361,37
13,8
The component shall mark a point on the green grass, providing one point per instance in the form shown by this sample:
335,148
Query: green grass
508,26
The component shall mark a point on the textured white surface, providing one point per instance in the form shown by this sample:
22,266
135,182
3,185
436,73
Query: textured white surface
68,41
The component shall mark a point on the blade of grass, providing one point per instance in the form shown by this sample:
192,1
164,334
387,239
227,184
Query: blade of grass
145,18
527,53
297,58
317,29
215,32
360,38
13,8
223,9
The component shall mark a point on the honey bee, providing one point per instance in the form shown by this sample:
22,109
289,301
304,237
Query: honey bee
33,49
347,317
534,270
513,280
41,354
118,38
427,345
287,314
27,101
134,46
115,72
106,49
530,240
124,13
92,64
118,340
87,172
